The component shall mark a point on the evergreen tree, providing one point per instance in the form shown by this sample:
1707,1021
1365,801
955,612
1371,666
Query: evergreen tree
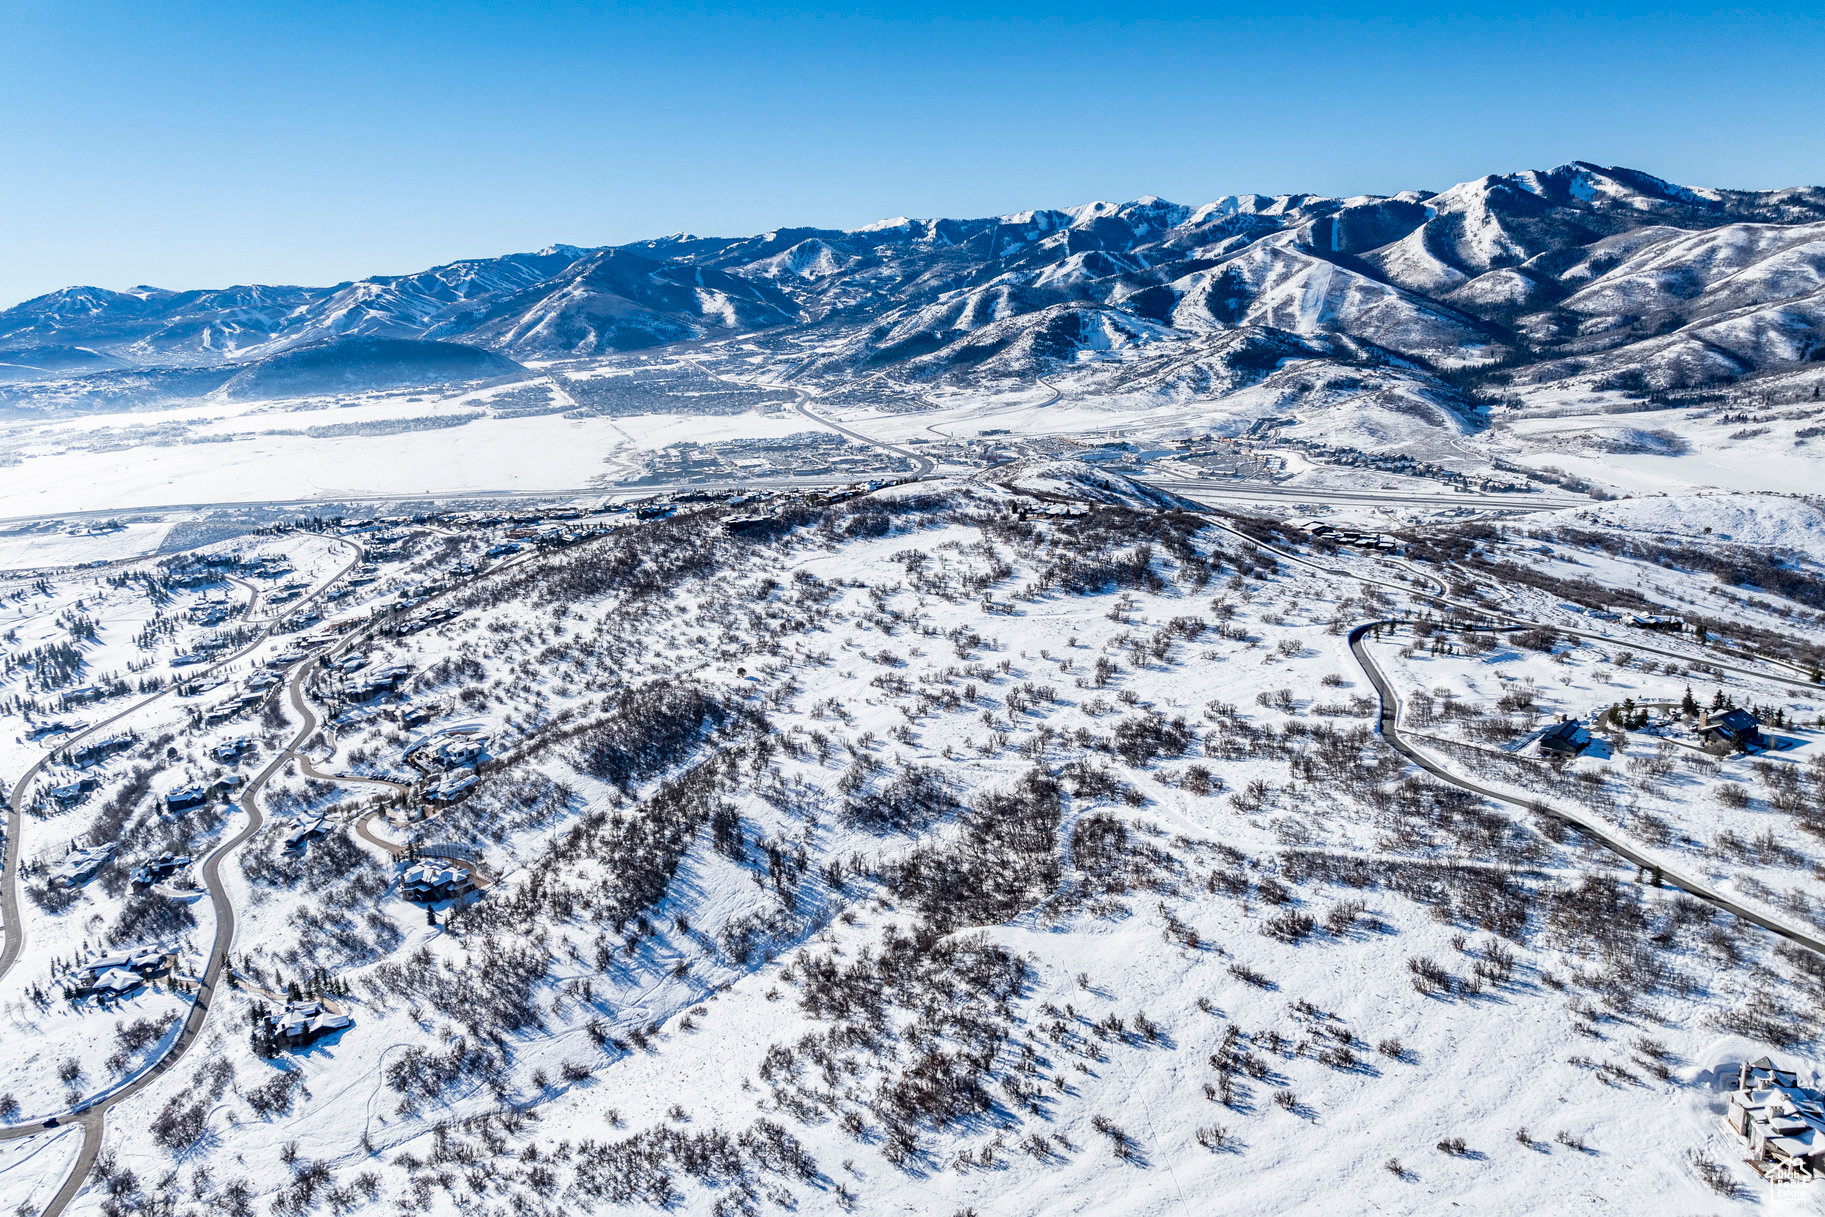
1688,705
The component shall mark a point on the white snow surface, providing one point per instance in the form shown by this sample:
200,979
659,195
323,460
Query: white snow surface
1794,522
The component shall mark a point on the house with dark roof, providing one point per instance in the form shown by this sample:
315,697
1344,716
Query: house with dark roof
72,794
1564,738
158,869
185,799
1737,728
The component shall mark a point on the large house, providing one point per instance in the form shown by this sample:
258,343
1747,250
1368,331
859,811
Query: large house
100,750
120,971
450,786
158,869
305,1021
185,799
72,794
432,880
79,864
1565,738
1737,728
1781,1123
303,831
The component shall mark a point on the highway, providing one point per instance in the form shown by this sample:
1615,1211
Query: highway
800,400
1240,491
991,413
924,464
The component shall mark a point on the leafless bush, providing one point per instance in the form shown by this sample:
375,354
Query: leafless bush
180,1123
1248,975
1290,926
1213,1136
1341,917
1714,1174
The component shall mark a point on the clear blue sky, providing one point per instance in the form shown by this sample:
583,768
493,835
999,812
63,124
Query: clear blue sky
191,145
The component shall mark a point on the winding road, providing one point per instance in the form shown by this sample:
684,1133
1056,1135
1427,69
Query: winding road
15,806
362,830
1388,726
92,1117
1389,729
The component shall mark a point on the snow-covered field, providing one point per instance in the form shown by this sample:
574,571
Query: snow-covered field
1015,846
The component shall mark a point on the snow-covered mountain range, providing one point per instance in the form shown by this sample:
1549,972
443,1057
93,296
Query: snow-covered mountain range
1607,273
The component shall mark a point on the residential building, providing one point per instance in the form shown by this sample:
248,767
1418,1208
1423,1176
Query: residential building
1781,1123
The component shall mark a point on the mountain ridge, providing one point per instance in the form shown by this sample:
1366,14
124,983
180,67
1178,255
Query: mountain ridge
1546,274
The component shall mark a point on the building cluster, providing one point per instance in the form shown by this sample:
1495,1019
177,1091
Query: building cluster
449,760
1780,1122
1404,465
1344,536
808,454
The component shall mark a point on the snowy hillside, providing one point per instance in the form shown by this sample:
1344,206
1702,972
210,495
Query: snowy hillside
1014,844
